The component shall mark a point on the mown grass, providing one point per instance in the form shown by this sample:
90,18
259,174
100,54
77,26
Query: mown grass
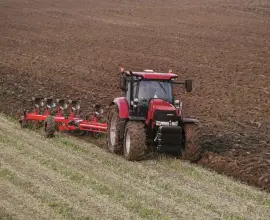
65,178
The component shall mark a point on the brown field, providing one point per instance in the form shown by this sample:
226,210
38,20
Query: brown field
73,48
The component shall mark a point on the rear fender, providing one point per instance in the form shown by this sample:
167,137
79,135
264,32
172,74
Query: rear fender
122,106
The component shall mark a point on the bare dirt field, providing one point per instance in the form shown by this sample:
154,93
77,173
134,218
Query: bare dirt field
73,48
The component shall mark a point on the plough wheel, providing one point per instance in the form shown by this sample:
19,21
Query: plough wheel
49,126
192,150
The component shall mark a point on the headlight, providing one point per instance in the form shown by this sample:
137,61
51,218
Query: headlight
175,123
167,123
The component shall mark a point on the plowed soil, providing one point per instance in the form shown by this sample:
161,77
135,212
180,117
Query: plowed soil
73,48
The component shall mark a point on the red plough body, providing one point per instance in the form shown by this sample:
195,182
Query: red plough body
69,123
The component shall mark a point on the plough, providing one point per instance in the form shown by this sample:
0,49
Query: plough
64,115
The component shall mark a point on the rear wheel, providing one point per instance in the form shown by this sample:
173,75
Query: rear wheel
114,143
192,150
134,141
49,126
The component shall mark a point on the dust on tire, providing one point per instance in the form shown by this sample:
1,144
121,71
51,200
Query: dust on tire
137,141
192,150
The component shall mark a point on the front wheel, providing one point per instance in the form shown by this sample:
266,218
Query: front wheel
134,141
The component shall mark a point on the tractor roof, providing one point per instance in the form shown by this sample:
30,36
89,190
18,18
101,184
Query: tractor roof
150,74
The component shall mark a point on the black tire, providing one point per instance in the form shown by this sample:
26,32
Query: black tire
114,143
192,150
134,141
49,126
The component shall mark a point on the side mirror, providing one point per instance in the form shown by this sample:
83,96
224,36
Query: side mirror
188,85
123,84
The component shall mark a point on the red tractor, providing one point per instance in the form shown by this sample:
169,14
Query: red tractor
148,118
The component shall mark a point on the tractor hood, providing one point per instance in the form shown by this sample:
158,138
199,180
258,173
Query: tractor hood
159,104
162,109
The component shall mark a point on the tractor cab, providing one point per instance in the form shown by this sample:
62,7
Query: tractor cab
141,87
146,89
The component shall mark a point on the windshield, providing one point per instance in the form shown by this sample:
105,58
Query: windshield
155,89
